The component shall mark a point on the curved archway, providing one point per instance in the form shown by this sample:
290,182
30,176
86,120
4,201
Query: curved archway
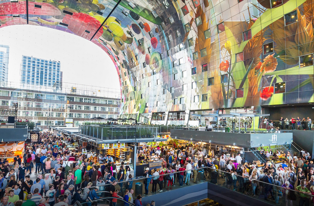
188,55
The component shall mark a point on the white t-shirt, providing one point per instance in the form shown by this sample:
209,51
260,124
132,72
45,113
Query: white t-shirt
239,159
38,150
188,168
44,151
61,204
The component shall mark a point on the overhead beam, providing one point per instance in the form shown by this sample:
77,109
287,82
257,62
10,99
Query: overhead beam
27,11
105,19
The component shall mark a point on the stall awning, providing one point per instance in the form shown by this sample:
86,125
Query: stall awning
13,134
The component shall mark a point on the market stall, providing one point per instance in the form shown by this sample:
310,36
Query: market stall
10,150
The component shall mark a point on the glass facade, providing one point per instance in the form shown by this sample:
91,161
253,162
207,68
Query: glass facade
40,72
4,62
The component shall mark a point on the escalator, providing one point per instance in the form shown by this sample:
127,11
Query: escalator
258,155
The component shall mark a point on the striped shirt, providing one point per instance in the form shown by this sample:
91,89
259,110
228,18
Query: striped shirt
36,198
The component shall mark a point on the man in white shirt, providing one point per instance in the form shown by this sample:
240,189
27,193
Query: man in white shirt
38,150
44,151
238,158
188,172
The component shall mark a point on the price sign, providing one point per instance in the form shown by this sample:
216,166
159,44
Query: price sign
122,145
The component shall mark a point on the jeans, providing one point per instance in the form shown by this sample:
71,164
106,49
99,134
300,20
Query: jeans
38,165
29,168
254,185
187,178
181,179
146,188
293,126
77,187
43,167
309,126
160,184
155,185
234,184
114,204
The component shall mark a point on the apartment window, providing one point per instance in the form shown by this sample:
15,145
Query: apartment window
146,105
148,84
224,78
193,85
184,74
291,18
175,76
191,42
198,21
172,90
178,33
171,20
134,88
157,104
193,70
275,3
141,96
247,35
175,101
157,82
203,52
143,76
207,34
195,99
204,97
268,48
185,10
306,60
182,100
239,57
210,81
164,91
195,55
221,27
280,87
239,93
187,27
204,67
184,87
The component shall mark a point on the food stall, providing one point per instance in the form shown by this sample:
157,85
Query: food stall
10,150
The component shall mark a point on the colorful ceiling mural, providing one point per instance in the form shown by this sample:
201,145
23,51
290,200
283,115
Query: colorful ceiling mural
179,55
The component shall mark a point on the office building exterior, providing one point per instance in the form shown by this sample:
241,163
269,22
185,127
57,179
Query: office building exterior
40,72
56,108
4,63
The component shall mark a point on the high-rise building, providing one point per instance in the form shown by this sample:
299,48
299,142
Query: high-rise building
40,72
4,63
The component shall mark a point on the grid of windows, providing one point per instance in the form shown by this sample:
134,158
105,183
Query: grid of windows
40,72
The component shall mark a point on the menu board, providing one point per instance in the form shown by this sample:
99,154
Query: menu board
122,145
115,146
34,137
106,146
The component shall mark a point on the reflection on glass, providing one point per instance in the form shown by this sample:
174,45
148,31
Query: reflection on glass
207,34
247,35
280,87
191,42
221,27
275,3
193,70
268,48
240,57
224,78
195,56
306,60
187,27
291,18
203,52
204,97
210,81
204,67
239,93
198,21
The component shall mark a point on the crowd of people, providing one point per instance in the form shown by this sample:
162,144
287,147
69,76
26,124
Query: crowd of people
50,173
286,123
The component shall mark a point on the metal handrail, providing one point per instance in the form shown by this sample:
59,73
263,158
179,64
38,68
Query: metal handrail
100,199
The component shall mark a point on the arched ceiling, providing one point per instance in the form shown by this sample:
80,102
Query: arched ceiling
177,55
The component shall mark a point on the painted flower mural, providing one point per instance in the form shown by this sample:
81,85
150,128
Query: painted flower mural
267,92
